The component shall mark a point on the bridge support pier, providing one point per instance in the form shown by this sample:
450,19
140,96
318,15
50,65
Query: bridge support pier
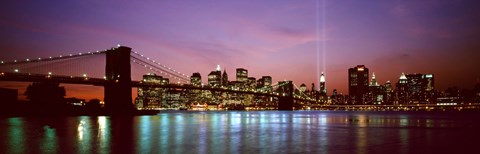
285,102
118,88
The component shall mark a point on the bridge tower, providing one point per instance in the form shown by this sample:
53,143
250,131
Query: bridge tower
118,88
285,102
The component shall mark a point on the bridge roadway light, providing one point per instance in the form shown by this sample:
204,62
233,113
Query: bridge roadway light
16,70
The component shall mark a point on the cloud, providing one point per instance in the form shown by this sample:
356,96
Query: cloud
435,19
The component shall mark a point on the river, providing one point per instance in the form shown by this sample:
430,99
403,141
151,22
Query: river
246,132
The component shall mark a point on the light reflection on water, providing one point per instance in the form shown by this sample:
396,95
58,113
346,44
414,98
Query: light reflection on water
243,132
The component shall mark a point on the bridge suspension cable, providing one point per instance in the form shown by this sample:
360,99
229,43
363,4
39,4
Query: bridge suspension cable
51,58
304,95
157,69
156,66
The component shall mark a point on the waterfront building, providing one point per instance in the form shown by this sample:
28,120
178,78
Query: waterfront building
376,92
401,90
415,89
251,83
242,75
420,88
151,98
388,91
358,84
196,79
225,79
215,78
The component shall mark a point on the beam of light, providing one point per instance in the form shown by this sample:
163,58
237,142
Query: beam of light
323,40
317,23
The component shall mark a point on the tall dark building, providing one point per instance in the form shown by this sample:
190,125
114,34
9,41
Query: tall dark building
242,75
225,78
388,93
196,79
358,84
401,90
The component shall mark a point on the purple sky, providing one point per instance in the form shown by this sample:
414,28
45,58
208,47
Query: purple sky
276,38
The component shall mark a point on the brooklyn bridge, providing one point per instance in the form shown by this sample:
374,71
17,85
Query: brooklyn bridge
117,81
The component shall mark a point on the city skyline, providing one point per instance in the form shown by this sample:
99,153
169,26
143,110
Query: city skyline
275,38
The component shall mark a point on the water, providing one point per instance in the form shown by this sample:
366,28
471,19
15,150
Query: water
246,132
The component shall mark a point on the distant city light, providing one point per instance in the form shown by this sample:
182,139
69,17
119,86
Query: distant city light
16,70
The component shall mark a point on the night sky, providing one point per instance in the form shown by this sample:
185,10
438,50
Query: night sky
289,39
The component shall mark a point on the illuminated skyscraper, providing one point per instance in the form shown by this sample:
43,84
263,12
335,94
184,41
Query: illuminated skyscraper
401,90
376,92
358,84
242,75
215,78
196,79
323,88
151,98
416,88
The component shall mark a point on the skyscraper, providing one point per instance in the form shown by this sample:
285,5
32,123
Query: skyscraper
376,91
401,90
358,84
242,75
323,88
225,78
215,77
388,90
196,79
151,98
417,88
